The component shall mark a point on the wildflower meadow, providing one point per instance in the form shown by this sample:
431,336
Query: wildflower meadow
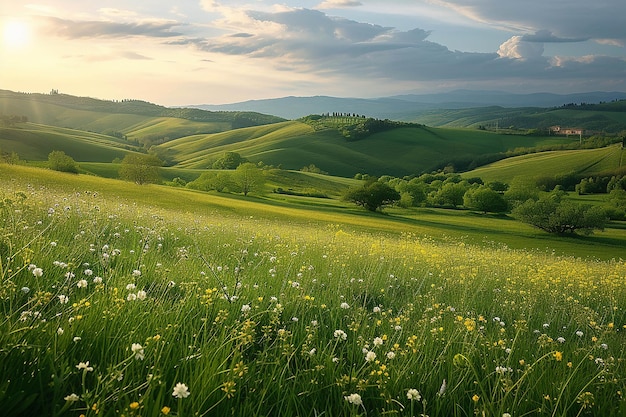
111,308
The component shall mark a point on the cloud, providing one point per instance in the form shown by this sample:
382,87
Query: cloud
311,42
133,55
338,4
519,48
74,29
546,36
573,19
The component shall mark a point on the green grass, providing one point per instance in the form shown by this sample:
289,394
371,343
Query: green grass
34,142
584,161
135,118
246,303
294,145
526,118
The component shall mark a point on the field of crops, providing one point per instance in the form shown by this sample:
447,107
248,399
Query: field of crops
114,306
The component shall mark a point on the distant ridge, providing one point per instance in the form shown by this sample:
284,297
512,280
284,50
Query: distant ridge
410,106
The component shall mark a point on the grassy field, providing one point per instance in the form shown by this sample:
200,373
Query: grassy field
599,119
584,161
33,142
126,300
294,145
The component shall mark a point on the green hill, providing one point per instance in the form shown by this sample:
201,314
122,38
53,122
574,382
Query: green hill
604,117
583,162
136,119
400,151
33,142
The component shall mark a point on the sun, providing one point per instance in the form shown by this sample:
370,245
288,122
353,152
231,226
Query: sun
15,34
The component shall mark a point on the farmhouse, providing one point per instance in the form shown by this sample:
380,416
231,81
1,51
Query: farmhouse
566,131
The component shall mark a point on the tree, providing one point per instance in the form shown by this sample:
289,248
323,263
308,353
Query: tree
521,190
373,195
485,199
211,180
413,191
248,177
450,194
553,215
230,160
140,168
59,161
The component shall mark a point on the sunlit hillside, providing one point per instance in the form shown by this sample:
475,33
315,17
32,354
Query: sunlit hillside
582,162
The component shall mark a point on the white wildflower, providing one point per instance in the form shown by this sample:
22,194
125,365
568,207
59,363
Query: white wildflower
137,350
354,399
181,391
413,395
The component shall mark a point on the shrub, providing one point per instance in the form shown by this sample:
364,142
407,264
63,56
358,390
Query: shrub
59,161
561,217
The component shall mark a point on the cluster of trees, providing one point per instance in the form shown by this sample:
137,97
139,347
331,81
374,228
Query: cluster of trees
601,184
549,212
12,120
312,168
247,177
10,158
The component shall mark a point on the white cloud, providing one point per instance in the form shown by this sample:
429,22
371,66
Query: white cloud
517,48
338,4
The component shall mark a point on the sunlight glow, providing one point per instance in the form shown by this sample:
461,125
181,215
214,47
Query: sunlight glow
15,34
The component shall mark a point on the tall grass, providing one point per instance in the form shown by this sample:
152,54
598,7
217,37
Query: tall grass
108,307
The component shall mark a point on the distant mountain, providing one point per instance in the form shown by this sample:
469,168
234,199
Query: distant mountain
411,106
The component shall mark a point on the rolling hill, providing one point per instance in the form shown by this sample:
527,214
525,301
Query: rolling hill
583,162
191,139
138,120
400,151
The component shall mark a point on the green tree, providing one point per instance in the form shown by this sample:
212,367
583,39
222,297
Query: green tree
373,195
59,161
485,199
211,180
450,194
414,189
140,168
553,215
521,190
248,177
230,160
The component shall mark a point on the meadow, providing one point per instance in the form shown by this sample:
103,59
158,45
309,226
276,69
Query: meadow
149,301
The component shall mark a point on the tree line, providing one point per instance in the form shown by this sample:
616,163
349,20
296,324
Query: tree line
551,212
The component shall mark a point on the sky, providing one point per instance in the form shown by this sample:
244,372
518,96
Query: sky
188,52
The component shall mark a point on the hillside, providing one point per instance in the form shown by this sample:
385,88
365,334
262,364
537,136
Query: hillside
585,162
598,118
343,144
33,142
138,120
399,151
